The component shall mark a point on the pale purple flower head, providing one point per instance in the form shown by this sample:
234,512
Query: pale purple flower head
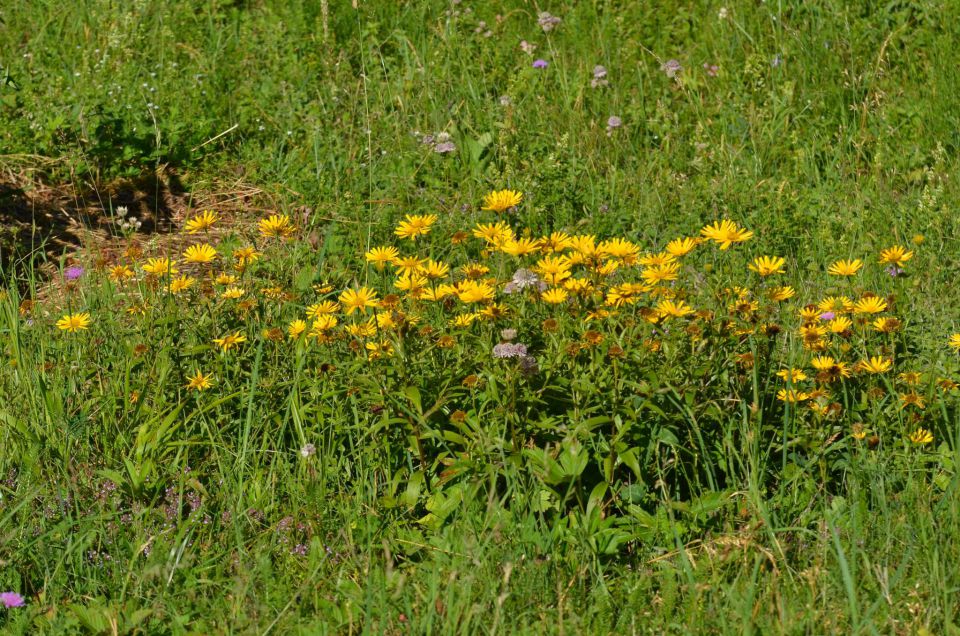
828,315
11,599
308,450
711,69
671,67
73,272
599,76
527,47
529,366
539,63
509,350
508,334
523,278
894,271
613,122
547,22
445,147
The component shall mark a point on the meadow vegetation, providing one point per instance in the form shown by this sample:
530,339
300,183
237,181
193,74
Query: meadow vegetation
465,317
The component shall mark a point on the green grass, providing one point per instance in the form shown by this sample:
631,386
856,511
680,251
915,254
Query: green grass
661,492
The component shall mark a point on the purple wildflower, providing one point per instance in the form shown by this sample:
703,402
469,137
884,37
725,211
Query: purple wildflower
523,278
613,122
509,350
547,22
828,315
529,366
527,48
539,63
711,69
599,77
444,147
508,334
12,599
308,450
671,67
73,272
894,271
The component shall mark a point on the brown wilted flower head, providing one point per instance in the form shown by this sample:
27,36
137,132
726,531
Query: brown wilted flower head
446,342
550,325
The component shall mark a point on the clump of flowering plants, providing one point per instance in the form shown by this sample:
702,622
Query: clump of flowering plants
618,375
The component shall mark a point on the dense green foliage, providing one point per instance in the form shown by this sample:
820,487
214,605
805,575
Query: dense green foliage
644,478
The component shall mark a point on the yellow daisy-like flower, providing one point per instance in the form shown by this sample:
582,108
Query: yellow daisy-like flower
780,294
654,260
888,324
910,378
276,225
792,375
870,305
362,298
323,323
921,436
767,265
556,242
494,233
896,255
233,293
726,233
435,270
230,341
381,256
791,396
382,349
199,382
622,249
667,309
120,273
201,222
246,256
203,253
836,304
415,225
954,342
159,266
661,273
520,247
471,291
323,307
845,267
840,324
181,283
554,296
681,246
296,328
876,364
363,329
225,279
73,323
501,200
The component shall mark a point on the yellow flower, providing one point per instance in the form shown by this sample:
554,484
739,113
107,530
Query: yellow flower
120,273
363,329
435,270
656,260
792,375
354,299
225,279
200,382
203,253
554,296
845,267
921,436
73,323
382,349
661,273
159,266
321,308
323,323
201,222
245,256
896,255
415,225
886,325
681,246
767,265
233,293
493,233
623,250
470,291
381,256
836,304
955,341
181,283
556,242
408,264
726,233
276,225
667,309
413,284
230,341
870,305
789,395
780,294
912,399
296,328
876,364
840,324
520,247
501,200
910,378
858,431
